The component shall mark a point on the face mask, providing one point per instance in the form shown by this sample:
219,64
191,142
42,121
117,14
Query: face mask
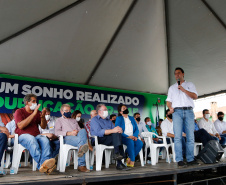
113,121
207,116
125,111
170,116
138,119
105,114
47,117
78,119
221,118
149,123
67,114
33,106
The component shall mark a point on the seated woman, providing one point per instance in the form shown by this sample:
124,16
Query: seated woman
130,134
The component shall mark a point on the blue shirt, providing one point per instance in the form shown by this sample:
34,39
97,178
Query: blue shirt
99,125
196,127
11,126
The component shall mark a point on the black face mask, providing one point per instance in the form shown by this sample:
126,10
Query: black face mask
170,116
113,121
138,119
125,111
221,118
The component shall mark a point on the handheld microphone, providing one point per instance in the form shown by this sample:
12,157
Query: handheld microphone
178,81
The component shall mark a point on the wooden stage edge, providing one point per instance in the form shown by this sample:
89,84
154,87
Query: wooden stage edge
27,176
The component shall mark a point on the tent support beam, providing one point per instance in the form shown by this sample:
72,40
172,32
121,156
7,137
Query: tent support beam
214,13
41,21
167,37
111,41
212,94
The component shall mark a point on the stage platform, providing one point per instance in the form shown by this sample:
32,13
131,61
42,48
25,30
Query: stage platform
27,176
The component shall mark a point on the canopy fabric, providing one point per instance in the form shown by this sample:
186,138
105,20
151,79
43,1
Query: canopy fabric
123,44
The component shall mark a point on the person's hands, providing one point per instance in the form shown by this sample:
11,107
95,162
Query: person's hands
72,133
181,88
184,135
171,110
49,135
134,138
117,130
5,131
43,113
131,137
36,109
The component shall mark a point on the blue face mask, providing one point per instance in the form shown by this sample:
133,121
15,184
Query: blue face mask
67,114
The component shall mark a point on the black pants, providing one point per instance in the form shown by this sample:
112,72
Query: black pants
202,136
115,140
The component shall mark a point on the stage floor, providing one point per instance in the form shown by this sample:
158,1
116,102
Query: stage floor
27,176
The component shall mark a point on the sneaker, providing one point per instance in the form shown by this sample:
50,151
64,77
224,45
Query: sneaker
122,167
192,163
181,164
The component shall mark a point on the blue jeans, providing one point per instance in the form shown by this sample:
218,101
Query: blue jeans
78,141
3,144
184,118
133,147
223,139
39,147
55,147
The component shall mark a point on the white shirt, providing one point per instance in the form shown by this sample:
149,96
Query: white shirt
11,126
220,126
179,98
50,128
207,125
128,127
167,127
142,127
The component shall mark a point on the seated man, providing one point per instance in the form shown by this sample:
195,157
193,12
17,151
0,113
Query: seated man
206,124
73,134
4,134
27,120
11,126
108,134
49,132
167,130
220,125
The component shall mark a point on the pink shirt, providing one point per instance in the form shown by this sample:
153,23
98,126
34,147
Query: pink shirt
64,125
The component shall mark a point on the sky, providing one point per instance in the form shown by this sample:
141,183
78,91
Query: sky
204,103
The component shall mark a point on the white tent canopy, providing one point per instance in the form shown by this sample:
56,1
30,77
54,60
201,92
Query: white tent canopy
124,44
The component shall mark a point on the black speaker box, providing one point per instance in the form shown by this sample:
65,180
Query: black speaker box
211,153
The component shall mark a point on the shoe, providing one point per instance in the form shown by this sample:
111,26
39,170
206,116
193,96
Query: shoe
117,156
83,169
82,150
50,170
122,167
181,164
192,163
49,163
129,165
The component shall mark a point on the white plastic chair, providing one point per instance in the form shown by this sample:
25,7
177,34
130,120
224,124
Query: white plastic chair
196,148
154,147
17,152
2,163
64,154
7,163
99,154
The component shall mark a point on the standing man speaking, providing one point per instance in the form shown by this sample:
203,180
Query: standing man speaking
180,102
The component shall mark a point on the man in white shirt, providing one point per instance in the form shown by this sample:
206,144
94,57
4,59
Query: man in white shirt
167,130
49,132
220,125
180,103
206,124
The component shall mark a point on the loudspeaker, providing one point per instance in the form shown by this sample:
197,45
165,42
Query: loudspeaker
211,153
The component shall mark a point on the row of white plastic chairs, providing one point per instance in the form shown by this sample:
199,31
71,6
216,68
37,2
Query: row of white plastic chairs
65,153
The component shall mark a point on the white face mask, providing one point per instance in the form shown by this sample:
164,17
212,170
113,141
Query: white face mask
33,106
207,116
47,117
78,118
149,123
105,114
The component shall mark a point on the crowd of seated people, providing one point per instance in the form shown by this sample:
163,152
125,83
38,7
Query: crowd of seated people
38,132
